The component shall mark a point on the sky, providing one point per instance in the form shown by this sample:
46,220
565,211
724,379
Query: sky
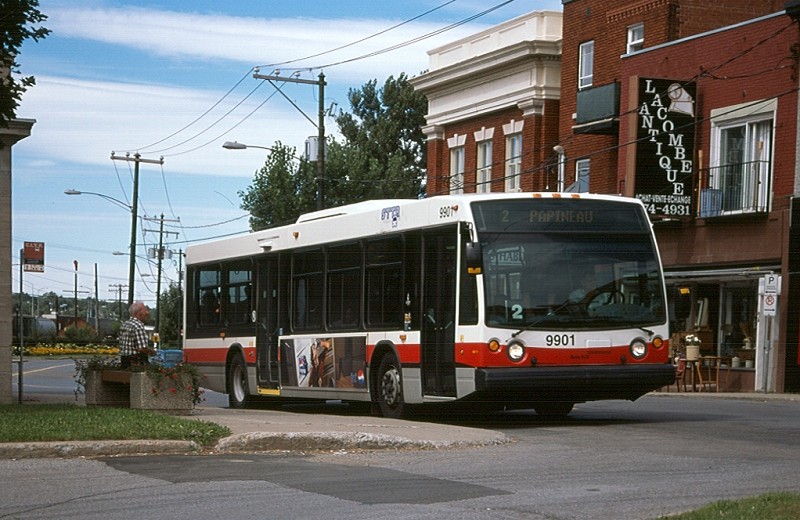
173,79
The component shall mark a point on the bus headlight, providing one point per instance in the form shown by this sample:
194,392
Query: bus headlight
515,350
638,348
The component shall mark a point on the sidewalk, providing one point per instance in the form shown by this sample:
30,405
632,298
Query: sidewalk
273,430
270,430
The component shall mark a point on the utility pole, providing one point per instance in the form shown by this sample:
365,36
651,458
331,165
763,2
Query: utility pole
320,124
136,159
160,255
118,287
96,303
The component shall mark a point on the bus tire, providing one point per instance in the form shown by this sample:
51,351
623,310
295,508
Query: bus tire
238,392
390,388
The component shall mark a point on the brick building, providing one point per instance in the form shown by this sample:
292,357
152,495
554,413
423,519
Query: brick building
493,108
692,107
686,104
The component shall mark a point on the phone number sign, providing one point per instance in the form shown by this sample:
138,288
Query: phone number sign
665,147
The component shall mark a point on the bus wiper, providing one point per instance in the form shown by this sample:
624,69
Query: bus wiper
549,314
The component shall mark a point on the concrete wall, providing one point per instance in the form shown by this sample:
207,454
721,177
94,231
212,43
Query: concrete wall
17,129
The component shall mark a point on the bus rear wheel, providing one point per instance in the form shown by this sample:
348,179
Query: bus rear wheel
390,388
237,383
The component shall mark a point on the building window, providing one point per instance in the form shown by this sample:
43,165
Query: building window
581,184
484,173
513,162
456,144
739,177
585,64
457,170
635,38
744,168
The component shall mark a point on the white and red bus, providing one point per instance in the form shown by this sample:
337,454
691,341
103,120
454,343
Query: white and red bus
536,300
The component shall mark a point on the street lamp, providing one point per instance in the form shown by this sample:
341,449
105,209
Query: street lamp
133,211
320,124
236,145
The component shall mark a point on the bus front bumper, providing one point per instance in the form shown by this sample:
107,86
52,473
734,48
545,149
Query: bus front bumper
573,383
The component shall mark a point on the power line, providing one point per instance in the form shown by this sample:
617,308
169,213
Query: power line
361,40
414,40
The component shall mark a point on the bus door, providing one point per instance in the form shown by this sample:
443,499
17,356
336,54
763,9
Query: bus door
439,312
267,328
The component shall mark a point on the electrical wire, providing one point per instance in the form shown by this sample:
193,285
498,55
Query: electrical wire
413,40
198,118
361,40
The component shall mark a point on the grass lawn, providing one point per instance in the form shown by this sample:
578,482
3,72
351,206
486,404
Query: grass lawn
771,506
66,422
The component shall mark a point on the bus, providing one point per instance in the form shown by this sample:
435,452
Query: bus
524,300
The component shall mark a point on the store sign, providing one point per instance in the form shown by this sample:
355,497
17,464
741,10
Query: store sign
33,254
665,147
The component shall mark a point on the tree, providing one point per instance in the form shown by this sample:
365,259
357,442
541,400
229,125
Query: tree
18,19
282,189
382,156
384,149
171,320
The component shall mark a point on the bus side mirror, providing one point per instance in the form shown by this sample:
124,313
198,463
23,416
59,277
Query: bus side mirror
474,258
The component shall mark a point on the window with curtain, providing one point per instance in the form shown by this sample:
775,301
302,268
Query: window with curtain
456,170
635,38
585,64
513,162
484,173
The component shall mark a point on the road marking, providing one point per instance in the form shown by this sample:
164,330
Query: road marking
42,369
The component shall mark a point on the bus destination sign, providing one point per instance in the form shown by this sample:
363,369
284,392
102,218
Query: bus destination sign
557,215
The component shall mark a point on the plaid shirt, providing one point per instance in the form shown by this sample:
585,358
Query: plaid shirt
132,337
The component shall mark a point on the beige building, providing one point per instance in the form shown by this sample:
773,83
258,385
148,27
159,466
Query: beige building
16,130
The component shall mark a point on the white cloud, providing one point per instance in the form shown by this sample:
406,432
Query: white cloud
82,121
258,41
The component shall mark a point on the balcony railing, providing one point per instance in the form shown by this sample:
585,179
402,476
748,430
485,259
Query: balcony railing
735,189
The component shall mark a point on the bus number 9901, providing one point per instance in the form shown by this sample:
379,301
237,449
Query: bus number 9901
560,340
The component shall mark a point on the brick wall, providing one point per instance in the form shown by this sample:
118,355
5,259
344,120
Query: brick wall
744,65
539,135
606,22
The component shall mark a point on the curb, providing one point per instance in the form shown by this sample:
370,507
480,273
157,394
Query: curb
334,441
34,450
238,443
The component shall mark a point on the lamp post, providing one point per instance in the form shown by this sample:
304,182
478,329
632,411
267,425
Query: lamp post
320,82
132,209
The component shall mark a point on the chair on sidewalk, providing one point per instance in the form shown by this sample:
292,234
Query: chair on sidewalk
680,374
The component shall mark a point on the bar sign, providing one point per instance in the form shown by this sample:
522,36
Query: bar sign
34,257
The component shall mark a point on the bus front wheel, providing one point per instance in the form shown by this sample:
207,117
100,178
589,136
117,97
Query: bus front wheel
390,388
237,383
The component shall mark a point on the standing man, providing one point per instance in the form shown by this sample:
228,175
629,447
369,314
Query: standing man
133,341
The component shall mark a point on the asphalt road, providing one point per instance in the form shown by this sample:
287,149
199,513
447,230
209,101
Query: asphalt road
661,454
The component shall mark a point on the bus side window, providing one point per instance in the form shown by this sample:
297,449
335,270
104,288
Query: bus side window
209,307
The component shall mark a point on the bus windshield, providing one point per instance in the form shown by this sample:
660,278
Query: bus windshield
571,277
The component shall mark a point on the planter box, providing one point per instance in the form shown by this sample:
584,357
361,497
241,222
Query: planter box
139,390
100,392
149,392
